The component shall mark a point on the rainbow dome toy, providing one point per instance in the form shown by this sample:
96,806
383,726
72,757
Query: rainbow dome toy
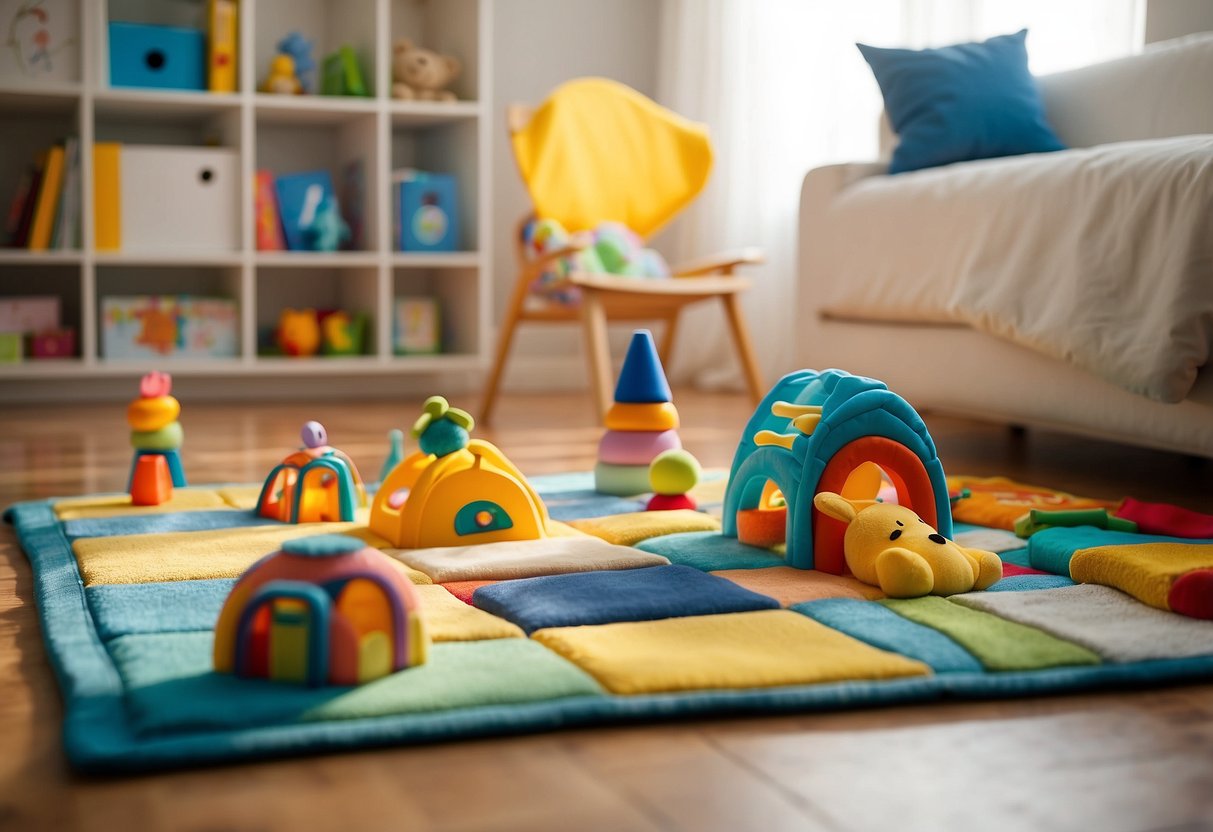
315,484
325,610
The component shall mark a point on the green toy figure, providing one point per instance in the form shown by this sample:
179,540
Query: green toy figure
328,230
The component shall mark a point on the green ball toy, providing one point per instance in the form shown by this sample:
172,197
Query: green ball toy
673,472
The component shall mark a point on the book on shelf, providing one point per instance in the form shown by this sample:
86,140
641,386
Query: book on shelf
221,45
299,195
43,212
65,234
268,220
48,200
21,208
107,195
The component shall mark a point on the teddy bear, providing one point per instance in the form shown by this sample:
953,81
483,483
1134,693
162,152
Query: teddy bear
421,74
891,547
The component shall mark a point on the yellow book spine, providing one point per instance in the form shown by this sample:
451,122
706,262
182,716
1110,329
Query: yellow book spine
107,196
222,52
48,199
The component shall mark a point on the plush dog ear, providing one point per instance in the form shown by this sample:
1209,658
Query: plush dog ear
834,505
402,45
453,66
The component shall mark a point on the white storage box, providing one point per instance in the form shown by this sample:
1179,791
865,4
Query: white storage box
180,198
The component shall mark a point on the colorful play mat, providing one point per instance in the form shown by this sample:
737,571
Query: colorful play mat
617,615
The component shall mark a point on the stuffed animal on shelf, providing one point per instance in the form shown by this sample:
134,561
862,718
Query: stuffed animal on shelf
299,49
327,230
282,79
891,547
298,332
422,74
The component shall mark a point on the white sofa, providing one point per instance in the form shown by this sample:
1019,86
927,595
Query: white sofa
949,366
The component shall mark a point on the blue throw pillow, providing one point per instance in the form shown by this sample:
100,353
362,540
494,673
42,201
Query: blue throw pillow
968,101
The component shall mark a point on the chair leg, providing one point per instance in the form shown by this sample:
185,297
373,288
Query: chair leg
512,316
666,349
593,318
745,347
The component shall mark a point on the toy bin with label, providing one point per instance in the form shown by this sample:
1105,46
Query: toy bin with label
160,327
163,57
169,198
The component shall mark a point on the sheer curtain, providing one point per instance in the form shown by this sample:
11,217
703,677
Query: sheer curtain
783,89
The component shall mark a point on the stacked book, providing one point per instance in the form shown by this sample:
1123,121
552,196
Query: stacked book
44,212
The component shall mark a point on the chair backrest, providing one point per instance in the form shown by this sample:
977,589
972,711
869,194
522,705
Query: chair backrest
597,150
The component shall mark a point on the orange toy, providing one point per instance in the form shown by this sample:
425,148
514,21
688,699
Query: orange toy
151,484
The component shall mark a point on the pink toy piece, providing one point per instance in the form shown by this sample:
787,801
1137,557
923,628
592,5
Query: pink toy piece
619,447
314,435
155,384
671,502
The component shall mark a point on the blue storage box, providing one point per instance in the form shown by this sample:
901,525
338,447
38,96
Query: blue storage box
164,57
427,214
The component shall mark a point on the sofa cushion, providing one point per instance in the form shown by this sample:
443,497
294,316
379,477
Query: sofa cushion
962,102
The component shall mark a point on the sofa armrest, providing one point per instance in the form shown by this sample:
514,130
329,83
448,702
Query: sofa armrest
820,188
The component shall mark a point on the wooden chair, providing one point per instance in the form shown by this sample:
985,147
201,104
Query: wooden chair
606,297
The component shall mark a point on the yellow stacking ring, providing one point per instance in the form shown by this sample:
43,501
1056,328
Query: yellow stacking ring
152,414
650,416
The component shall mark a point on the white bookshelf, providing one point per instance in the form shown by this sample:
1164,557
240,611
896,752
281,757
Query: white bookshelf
283,134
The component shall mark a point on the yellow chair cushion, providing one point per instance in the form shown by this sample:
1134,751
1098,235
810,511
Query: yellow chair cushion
740,650
597,150
649,416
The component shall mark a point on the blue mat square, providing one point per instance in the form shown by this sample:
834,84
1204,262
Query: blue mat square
625,595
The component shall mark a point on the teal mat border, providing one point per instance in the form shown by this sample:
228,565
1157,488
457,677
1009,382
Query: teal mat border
97,737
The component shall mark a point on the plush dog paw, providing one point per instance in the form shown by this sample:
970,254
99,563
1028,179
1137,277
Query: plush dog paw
904,574
989,568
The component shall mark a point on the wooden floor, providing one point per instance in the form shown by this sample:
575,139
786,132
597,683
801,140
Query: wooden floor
1130,760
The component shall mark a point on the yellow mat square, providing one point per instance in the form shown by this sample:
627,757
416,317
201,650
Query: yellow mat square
630,529
117,505
1144,570
741,650
789,586
449,619
185,556
241,496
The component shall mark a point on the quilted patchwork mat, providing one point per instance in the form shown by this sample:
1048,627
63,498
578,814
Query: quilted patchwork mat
618,616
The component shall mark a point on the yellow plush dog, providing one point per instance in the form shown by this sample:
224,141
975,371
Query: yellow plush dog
893,548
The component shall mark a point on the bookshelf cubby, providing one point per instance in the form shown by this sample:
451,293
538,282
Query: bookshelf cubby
282,134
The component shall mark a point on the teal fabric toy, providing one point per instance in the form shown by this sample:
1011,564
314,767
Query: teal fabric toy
615,249
327,230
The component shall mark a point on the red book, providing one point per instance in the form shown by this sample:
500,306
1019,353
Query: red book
267,218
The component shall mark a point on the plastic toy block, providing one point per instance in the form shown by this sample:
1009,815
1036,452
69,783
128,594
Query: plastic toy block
671,502
762,527
636,447
674,472
653,416
148,414
168,438
642,379
151,484
621,480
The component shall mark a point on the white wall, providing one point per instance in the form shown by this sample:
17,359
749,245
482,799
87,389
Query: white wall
1166,19
538,44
